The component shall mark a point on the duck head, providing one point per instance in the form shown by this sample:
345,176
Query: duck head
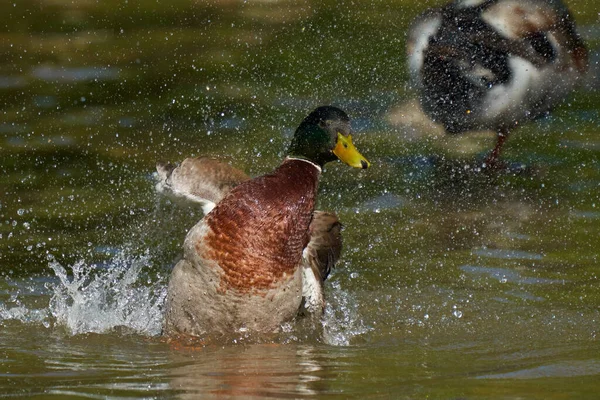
324,136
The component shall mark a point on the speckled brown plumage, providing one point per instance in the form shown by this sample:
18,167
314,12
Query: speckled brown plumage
285,199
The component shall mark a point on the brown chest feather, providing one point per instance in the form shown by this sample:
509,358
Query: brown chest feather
258,232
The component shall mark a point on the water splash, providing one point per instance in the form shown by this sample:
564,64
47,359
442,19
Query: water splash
20,300
24,314
121,295
341,322
99,299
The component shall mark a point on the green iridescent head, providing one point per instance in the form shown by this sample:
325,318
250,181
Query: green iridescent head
324,136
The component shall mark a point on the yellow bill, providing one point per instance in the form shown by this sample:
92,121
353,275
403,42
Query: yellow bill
345,151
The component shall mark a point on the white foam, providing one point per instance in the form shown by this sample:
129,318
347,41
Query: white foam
341,322
99,299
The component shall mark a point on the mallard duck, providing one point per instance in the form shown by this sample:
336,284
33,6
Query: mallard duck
260,255
494,64
204,182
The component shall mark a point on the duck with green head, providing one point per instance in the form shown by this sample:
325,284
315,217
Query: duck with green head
259,257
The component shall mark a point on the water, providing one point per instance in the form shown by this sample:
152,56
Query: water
452,284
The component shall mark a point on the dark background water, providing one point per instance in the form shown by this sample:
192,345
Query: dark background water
451,284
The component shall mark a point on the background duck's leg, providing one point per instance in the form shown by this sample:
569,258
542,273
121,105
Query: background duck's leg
491,160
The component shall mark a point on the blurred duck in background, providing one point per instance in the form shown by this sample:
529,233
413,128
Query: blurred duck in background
494,64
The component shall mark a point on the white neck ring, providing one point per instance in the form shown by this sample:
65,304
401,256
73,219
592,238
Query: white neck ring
318,167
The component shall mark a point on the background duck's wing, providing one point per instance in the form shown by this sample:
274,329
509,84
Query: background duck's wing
539,31
202,181
422,29
320,255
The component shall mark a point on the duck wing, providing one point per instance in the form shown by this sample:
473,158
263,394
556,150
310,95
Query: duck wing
319,257
200,180
418,36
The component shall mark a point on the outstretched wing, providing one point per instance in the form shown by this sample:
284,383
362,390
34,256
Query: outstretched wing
202,181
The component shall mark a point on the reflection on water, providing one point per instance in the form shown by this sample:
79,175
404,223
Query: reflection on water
256,371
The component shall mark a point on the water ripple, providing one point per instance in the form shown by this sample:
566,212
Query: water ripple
506,254
505,275
65,74
564,369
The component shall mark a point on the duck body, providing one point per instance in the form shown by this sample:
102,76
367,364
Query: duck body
258,259
238,284
494,64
